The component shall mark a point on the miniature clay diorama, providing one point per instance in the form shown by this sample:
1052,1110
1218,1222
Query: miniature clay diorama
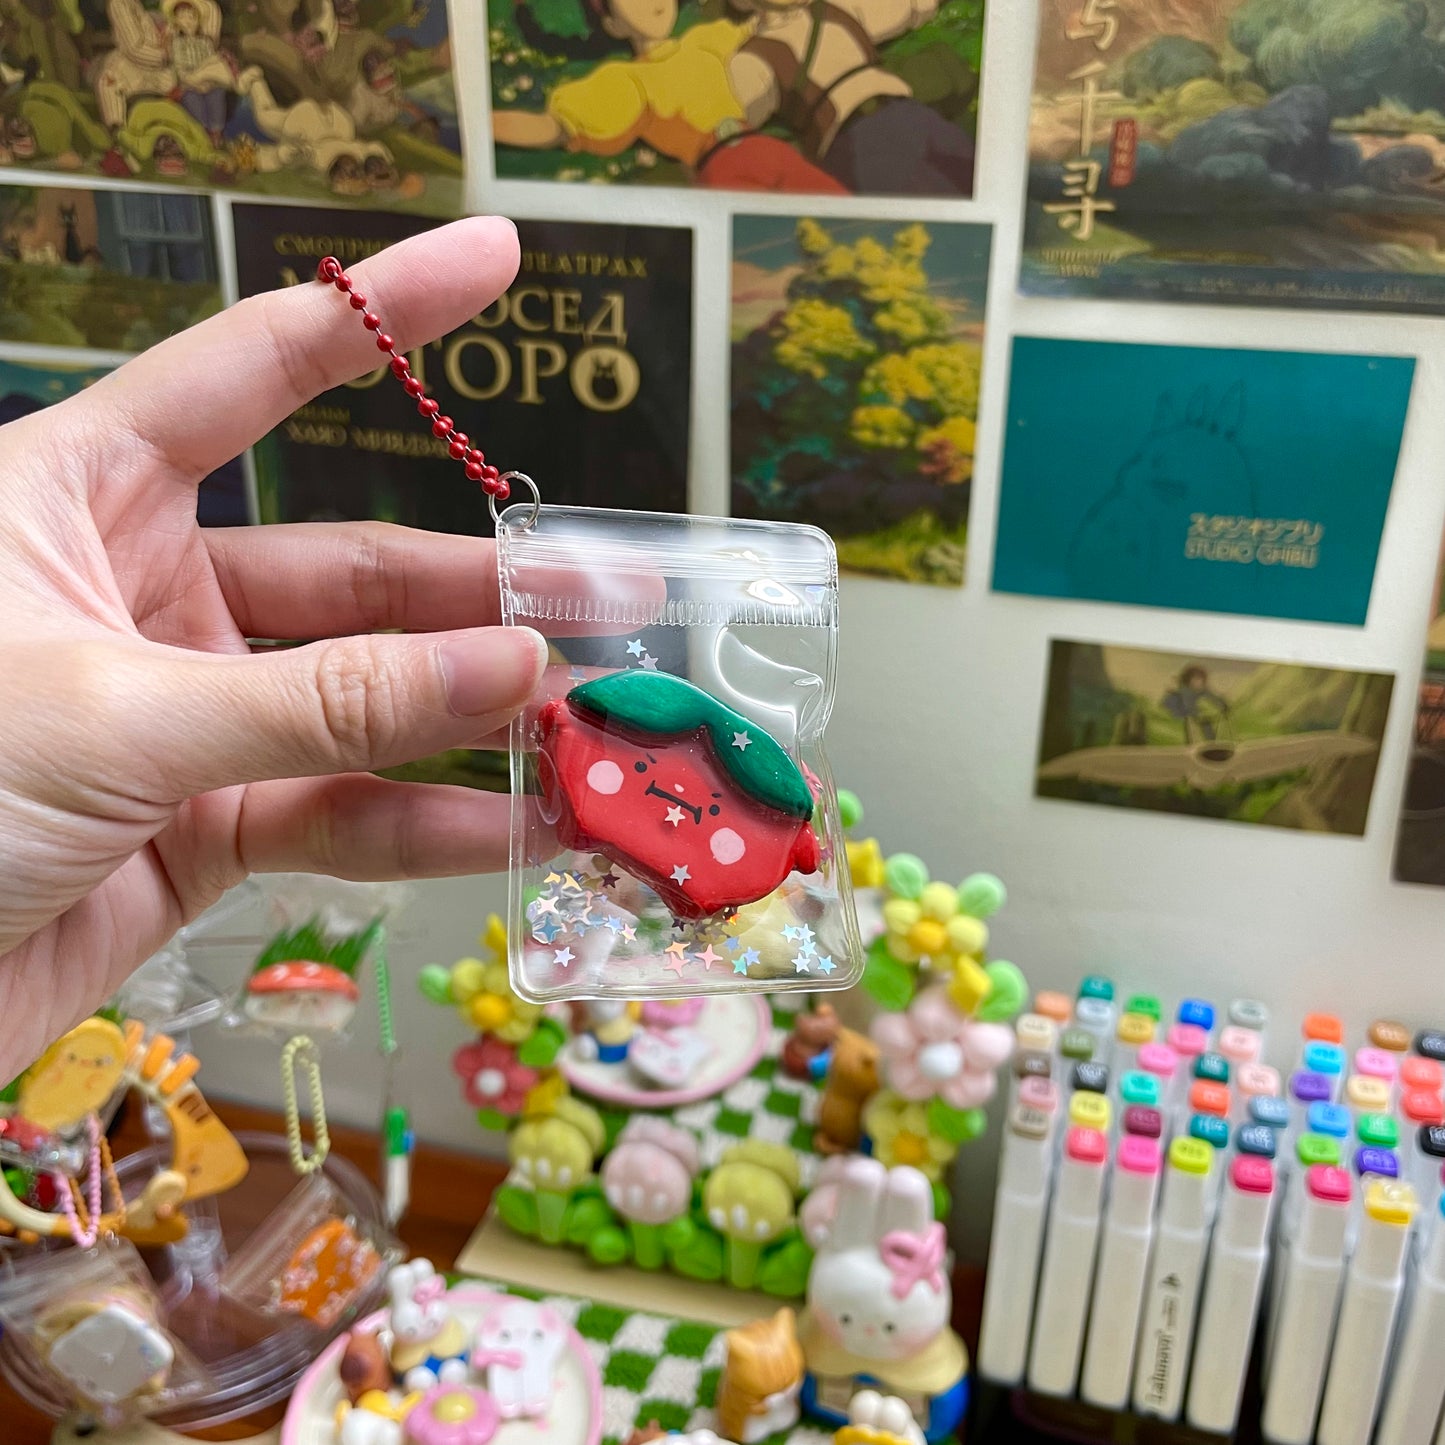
761,1381
429,1345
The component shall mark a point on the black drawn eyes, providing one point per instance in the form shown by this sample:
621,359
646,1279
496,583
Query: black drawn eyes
639,767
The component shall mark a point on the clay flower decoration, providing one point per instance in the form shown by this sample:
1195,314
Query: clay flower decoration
554,1154
902,1132
749,1199
494,1080
647,1179
933,1051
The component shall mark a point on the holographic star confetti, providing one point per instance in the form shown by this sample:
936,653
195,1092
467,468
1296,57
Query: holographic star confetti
635,647
680,874
649,662
740,964
707,957
563,956
802,964
546,931
825,964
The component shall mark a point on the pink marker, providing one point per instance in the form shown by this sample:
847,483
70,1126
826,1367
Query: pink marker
1040,1094
1239,1045
1188,1040
1253,1081
1376,1064
1163,1063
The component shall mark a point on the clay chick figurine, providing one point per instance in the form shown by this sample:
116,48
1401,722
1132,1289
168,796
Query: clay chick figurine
805,1050
758,1394
852,1081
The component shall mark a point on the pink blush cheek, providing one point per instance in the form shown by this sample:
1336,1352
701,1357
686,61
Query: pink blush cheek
830,1327
906,1342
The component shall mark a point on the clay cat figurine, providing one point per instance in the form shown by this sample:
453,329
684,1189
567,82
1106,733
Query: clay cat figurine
758,1394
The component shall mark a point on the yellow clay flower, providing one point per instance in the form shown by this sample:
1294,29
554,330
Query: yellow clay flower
899,1131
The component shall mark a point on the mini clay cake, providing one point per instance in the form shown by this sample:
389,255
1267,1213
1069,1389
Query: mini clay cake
453,1415
692,798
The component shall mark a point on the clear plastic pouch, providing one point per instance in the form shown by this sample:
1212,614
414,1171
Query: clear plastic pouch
93,1324
675,826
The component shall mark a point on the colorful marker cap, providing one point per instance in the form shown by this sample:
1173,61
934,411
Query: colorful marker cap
1029,1123
1094,1015
1378,1130
1387,1034
1139,1155
1256,1139
1087,1146
1272,1112
1213,1067
1144,1122
1430,1043
1158,1059
1389,1202
1032,1064
1092,1077
1089,1111
1422,1106
1077,1044
1252,1175
1418,1073
1197,1013
1376,1064
1209,1129
1238,1044
1326,1028
1208,1098
1312,1149
1331,1120
1188,1040
1323,1058
1135,1030
1137,1087
1095,985
1144,1003
1034,1031
1381,1163
1372,1096
1307,1087
1328,1183
1191,1156
1040,1094
1257,1079
1431,1140
1249,1013
1053,1006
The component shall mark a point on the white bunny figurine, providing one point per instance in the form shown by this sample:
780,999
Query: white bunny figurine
879,1300
429,1344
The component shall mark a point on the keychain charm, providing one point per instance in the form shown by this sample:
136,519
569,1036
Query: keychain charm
689,796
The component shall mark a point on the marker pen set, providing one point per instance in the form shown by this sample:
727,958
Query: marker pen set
1167,1199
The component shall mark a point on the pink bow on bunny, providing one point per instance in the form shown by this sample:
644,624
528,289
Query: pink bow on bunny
429,1290
914,1259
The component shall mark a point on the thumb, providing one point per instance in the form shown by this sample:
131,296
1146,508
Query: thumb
352,704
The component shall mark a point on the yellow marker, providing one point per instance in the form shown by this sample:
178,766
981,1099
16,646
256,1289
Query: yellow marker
1368,1095
1089,1111
969,986
1191,1156
1036,1033
1389,1201
1135,1030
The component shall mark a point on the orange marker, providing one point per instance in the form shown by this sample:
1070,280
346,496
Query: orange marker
1054,1006
1323,1028
1207,1097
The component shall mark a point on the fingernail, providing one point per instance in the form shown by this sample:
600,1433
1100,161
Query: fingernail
492,671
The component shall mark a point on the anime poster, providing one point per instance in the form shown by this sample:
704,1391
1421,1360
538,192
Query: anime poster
342,100
1275,743
113,270
28,386
1286,152
1213,479
812,97
1420,845
857,348
580,375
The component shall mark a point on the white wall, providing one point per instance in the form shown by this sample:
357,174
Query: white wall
939,701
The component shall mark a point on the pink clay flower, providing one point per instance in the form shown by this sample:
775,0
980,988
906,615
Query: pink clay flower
935,1051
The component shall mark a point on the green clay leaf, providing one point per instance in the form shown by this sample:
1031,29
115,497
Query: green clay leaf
517,1209
889,981
435,983
905,875
982,895
541,1050
1008,993
957,1126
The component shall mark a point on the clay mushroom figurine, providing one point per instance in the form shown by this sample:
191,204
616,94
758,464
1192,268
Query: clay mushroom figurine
647,1179
749,1199
300,994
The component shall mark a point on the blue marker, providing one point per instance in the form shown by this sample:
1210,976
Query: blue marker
1327,1060
1256,1139
1197,1012
1331,1120
1272,1113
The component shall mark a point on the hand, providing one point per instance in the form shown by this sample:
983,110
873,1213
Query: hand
140,740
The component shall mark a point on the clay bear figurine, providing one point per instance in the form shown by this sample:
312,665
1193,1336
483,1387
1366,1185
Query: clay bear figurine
852,1081
808,1044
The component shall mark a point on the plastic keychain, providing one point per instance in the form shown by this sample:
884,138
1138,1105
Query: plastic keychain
675,829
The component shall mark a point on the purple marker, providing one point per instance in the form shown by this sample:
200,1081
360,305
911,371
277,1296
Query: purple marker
1143,1122
1380,1162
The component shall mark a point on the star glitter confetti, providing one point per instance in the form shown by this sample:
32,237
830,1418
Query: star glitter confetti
707,957
802,964
563,956
676,965
629,933
675,815
752,958
677,949
613,922
741,741
547,931
547,903
740,964
576,674
610,879
825,964
806,937
648,663
680,874
792,933
635,647
734,943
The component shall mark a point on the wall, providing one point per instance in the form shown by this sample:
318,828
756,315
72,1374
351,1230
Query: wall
941,690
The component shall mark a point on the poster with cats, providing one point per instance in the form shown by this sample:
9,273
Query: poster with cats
1277,744
346,101
109,270
857,357
1214,479
580,375
1276,152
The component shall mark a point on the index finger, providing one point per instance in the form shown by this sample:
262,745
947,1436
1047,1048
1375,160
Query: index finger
207,394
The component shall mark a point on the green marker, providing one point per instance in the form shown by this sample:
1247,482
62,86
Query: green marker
1138,1089
1077,1044
1214,1068
1097,986
1312,1149
1378,1131
1144,1003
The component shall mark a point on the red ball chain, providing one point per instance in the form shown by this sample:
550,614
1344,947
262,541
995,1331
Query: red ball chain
459,444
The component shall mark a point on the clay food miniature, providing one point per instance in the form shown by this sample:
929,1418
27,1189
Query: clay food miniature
758,1394
749,1199
553,1154
647,1179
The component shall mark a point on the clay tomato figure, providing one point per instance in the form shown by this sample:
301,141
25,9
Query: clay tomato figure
694,799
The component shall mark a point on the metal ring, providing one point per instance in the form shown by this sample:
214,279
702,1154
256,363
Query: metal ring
531,519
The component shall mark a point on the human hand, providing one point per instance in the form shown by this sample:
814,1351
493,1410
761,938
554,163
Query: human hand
141,742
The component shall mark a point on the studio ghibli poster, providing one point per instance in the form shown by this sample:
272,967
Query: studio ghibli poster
812,97
1285,152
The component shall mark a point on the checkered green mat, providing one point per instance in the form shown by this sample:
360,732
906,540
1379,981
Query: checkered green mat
655,1368
765,1103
